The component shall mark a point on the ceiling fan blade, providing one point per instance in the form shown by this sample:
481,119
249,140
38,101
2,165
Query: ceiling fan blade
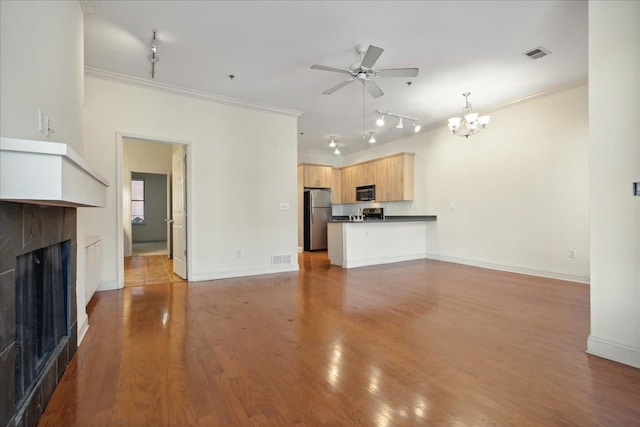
371,56
335,70
373,88
336,87
397,72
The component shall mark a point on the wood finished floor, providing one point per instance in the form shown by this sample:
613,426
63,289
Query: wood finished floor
406,344
149,270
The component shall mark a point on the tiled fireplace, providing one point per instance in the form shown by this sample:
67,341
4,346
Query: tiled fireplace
41,185
38,331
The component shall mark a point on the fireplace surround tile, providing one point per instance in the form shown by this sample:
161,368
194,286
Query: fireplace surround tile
25,228
7,313
7,384
10,235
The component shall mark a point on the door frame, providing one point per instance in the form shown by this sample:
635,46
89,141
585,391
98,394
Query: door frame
120,203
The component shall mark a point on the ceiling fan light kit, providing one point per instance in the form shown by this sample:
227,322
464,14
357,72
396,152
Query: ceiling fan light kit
470,123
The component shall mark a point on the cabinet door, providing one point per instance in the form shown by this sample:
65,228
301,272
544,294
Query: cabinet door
383,180
348,184
365,174
394,178
317,176
335,186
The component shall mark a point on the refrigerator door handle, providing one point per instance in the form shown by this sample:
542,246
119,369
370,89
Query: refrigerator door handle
311,209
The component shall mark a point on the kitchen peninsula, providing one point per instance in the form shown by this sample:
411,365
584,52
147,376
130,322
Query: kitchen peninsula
377,241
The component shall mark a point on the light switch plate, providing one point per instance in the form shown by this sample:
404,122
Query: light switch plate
284,206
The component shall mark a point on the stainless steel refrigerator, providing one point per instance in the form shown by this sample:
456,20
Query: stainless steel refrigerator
317,213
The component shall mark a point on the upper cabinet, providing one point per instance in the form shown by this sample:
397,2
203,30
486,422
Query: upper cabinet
317,176
394,178
335,186
348,184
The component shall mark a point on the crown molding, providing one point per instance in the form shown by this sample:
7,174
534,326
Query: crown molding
88,7
191,93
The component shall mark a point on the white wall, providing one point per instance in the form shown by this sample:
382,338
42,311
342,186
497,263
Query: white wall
242,165
42,66
41,43
614,85
140,156
513,197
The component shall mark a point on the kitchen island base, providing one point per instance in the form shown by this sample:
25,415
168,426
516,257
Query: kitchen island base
358,244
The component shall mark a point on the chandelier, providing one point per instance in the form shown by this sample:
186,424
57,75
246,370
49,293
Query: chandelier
470,124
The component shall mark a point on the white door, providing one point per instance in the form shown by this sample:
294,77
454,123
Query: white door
179,212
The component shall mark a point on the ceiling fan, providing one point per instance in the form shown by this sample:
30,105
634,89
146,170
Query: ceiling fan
364,72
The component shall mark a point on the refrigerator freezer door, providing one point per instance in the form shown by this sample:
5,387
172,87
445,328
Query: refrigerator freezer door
320,198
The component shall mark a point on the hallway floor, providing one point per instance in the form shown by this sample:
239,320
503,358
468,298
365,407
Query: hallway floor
149,270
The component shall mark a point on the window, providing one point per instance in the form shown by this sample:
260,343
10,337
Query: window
137,201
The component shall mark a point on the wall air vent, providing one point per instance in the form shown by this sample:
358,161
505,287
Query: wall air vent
280,259
537,53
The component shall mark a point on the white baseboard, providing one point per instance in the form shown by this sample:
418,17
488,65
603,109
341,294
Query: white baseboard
83,327
354,263
613,351
107,286
213,275
513,269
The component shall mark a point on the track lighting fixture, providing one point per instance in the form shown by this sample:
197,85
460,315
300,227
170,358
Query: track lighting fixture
372,140
336,151
153,57
332,143
400,124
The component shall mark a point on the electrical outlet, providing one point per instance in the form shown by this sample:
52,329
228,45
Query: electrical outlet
572,253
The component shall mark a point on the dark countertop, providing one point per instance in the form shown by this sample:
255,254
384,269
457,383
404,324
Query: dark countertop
390,218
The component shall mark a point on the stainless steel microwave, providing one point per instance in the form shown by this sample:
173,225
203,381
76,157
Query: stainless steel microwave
366,193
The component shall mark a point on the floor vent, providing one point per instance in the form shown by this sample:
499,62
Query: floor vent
280,259
537,53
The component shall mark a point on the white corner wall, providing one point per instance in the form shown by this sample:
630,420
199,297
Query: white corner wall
614,85
513,197
242,166
42,66
140,156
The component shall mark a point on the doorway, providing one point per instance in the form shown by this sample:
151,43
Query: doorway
152,192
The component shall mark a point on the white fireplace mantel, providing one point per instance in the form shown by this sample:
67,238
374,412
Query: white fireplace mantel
48,173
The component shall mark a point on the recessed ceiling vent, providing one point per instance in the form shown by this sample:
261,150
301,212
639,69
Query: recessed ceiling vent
537,53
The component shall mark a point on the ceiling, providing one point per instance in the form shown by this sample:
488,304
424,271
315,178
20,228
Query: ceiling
269,46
